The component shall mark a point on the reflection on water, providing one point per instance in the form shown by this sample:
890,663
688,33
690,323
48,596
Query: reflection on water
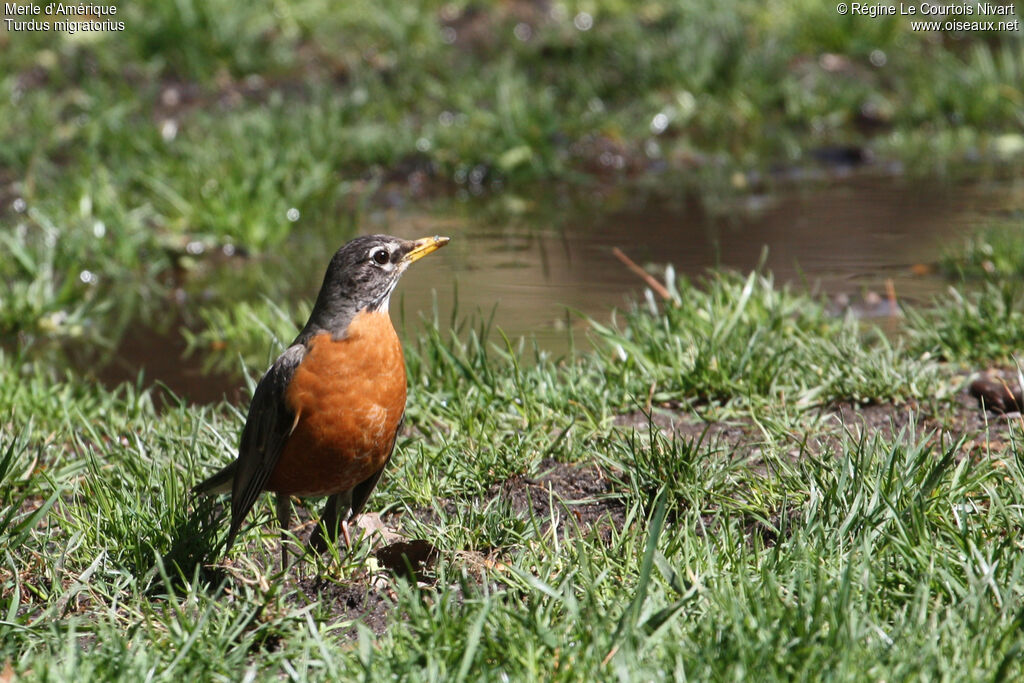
845,239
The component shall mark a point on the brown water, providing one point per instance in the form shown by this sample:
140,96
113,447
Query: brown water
845,239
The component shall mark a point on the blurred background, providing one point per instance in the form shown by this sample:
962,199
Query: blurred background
170,193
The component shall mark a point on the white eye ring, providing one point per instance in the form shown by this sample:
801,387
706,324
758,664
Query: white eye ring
380,256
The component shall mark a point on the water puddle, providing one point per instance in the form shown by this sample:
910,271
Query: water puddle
848,240
857,241
161,356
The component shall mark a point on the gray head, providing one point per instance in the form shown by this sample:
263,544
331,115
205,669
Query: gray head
361,276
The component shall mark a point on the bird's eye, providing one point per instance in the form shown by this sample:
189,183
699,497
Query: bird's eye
381,256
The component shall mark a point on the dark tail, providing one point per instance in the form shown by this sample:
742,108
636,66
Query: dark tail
218,483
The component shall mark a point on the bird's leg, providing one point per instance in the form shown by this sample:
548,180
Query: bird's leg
328,526
284,519
346,535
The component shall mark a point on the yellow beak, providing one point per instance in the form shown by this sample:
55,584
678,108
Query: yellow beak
424,246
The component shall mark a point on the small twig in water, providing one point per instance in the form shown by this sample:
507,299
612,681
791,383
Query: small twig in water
659,288
890,293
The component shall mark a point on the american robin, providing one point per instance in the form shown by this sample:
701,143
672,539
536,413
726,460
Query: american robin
325,416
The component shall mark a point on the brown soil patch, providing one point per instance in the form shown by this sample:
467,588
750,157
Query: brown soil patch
581,496
690,427
582,491
367,601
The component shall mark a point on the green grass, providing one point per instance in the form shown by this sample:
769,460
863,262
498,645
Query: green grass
870,553
741,340
979,319
979,325
993,251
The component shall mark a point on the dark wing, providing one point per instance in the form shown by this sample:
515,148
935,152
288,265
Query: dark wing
361,491
267,427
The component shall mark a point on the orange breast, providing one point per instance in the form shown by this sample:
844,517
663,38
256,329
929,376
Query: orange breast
349,396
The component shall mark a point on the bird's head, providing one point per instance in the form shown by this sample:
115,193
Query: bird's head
362,275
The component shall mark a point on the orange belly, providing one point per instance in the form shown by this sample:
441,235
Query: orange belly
349,396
